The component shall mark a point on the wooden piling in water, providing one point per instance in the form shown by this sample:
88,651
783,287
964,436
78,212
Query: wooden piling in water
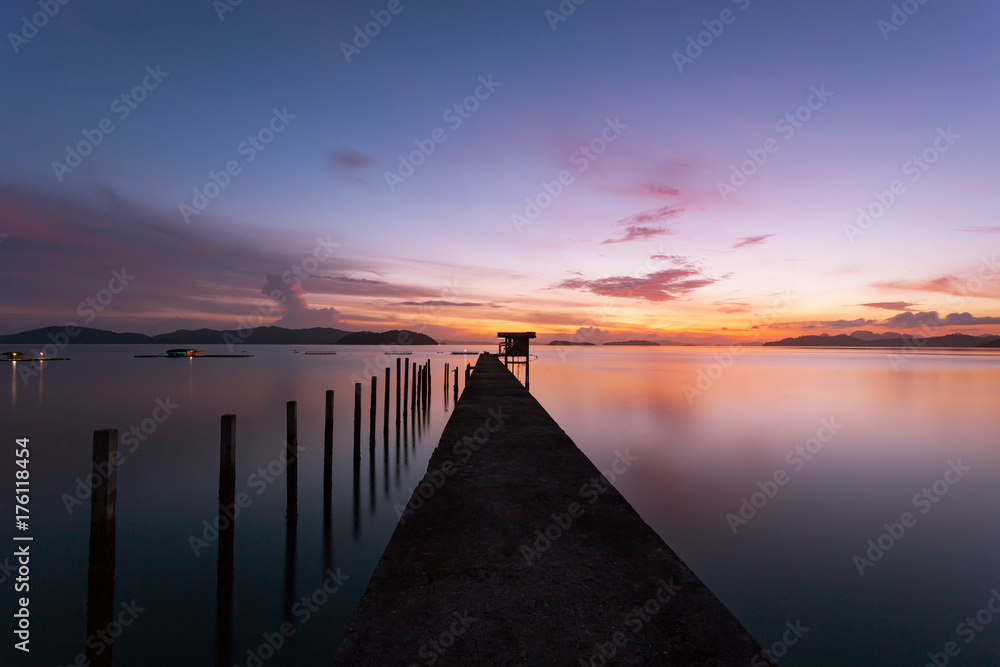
357,457
385,408
456,383
101,557
291,463
406,386
227,531
371,416
399,380
227,494
328,444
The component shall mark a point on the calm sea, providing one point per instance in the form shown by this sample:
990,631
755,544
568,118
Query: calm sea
850,495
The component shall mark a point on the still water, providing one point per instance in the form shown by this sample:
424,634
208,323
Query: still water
767,472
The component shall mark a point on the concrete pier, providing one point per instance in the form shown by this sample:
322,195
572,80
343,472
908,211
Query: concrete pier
514,550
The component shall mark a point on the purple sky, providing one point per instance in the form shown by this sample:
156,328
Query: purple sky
502,166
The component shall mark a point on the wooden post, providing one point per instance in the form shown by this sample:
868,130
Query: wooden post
292,464
468,370
447,374
456,384
371,419
328,443
357,457
406,386
385,417
227,530
399,382
227,495
101,561
327,484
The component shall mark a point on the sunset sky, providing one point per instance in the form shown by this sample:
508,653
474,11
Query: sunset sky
635,143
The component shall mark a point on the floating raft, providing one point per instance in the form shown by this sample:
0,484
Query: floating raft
518,552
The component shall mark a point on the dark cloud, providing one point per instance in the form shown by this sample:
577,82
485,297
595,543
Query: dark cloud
890,305
911,320
751,240
645,225
350,159
348,286
470,304
658,189
666,285
295,312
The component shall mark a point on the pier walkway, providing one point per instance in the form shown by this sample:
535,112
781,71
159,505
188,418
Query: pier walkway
514,550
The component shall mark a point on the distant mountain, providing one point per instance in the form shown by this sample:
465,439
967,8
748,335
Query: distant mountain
991,343
567,342
868,335
394,337
633,342
899,340
82,335
257,336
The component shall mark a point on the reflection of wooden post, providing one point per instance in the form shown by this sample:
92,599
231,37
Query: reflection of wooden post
101,564
291,463
227,532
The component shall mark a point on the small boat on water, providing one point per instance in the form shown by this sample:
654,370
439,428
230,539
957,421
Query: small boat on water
395,354
183,353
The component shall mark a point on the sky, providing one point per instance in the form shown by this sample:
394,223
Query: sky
713,171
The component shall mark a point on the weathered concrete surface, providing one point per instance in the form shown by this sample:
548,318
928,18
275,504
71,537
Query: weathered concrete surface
454,586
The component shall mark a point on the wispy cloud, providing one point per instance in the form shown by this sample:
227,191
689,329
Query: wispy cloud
890,305
981,230
751,240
